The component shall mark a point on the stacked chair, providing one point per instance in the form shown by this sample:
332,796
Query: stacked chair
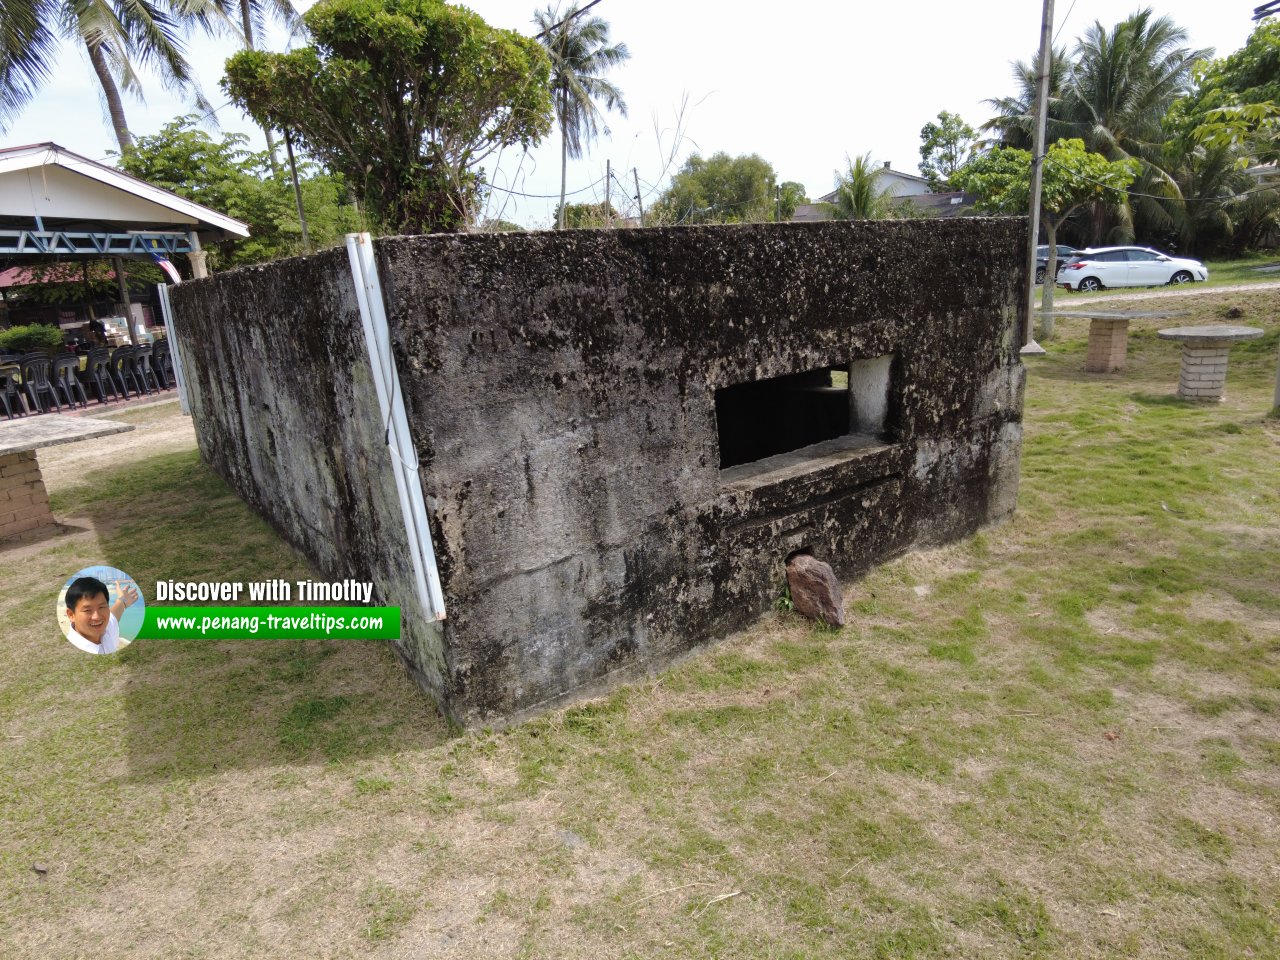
10,395
97,372
121,368
66,378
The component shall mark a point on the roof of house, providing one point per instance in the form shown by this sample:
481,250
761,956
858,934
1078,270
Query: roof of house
70,186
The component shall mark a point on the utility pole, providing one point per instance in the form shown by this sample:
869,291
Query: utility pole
608,193
297,191
639,202
1029,345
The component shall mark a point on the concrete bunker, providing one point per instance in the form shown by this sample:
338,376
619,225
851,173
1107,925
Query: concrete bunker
620,436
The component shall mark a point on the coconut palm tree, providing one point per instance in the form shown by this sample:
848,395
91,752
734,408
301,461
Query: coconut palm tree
580,53
1014,122
858,194
1124,80
1121,85
120,36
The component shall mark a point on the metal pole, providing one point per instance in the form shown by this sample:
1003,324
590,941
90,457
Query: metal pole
608,192
118,263
777,203
639,202
297,191
1037,171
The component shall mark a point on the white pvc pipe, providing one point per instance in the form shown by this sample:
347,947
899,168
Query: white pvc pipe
166,312
404,456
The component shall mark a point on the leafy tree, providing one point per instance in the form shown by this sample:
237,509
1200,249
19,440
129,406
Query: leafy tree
406,99
859,192
500,226
580,215
790,196
719,189
1073,177
254,15
944,147
1237,100
119,36
580,53
224,176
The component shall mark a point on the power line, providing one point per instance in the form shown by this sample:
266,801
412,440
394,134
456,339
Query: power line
546,196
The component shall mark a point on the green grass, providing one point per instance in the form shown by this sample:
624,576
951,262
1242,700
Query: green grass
1067,745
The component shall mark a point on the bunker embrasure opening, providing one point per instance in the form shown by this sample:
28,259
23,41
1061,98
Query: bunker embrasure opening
764,418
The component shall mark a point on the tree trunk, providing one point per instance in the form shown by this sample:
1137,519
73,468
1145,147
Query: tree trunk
1050,280
246,22
564,162
112,92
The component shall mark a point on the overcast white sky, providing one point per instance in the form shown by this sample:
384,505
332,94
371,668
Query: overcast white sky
803,84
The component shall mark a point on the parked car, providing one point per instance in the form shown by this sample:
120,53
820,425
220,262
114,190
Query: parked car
1065,253
1101,267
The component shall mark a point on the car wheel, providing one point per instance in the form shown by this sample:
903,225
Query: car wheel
1181,277
1040,275
1089,284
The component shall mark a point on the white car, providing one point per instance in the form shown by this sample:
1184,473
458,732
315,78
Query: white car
1101,267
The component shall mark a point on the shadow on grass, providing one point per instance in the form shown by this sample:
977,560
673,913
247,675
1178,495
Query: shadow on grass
193,708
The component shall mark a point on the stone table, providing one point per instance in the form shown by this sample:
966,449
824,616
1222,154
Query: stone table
24,503
1204,357
1109,336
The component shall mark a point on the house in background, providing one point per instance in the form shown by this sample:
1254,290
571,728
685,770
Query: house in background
911,188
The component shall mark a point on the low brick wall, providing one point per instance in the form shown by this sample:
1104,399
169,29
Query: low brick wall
24,504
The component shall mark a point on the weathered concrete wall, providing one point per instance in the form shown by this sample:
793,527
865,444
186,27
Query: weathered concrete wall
561,389
286,412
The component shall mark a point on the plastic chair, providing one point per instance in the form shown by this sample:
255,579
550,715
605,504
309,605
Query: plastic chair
162,364
98,373
10,395
121,368
35,381
66,378
142,368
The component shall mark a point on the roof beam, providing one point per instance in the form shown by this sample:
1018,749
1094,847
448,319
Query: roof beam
62,242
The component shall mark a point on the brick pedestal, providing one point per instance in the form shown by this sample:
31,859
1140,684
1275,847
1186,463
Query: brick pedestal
24,504
1204,370
1108,343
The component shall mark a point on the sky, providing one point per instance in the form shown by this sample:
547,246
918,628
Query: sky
804,85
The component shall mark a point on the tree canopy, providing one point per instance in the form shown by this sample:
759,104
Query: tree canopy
723,189
407,99
224,176
944,147
1072,178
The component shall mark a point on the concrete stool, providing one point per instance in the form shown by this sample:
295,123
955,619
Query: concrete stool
1204,357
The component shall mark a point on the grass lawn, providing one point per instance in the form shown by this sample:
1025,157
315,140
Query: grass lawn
1060,738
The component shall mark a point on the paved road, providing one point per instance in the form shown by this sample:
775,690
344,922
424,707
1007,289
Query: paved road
1066,301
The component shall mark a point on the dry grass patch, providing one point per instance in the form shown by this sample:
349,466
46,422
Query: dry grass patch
1059,738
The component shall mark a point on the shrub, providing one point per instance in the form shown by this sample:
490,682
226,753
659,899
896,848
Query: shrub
35,336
